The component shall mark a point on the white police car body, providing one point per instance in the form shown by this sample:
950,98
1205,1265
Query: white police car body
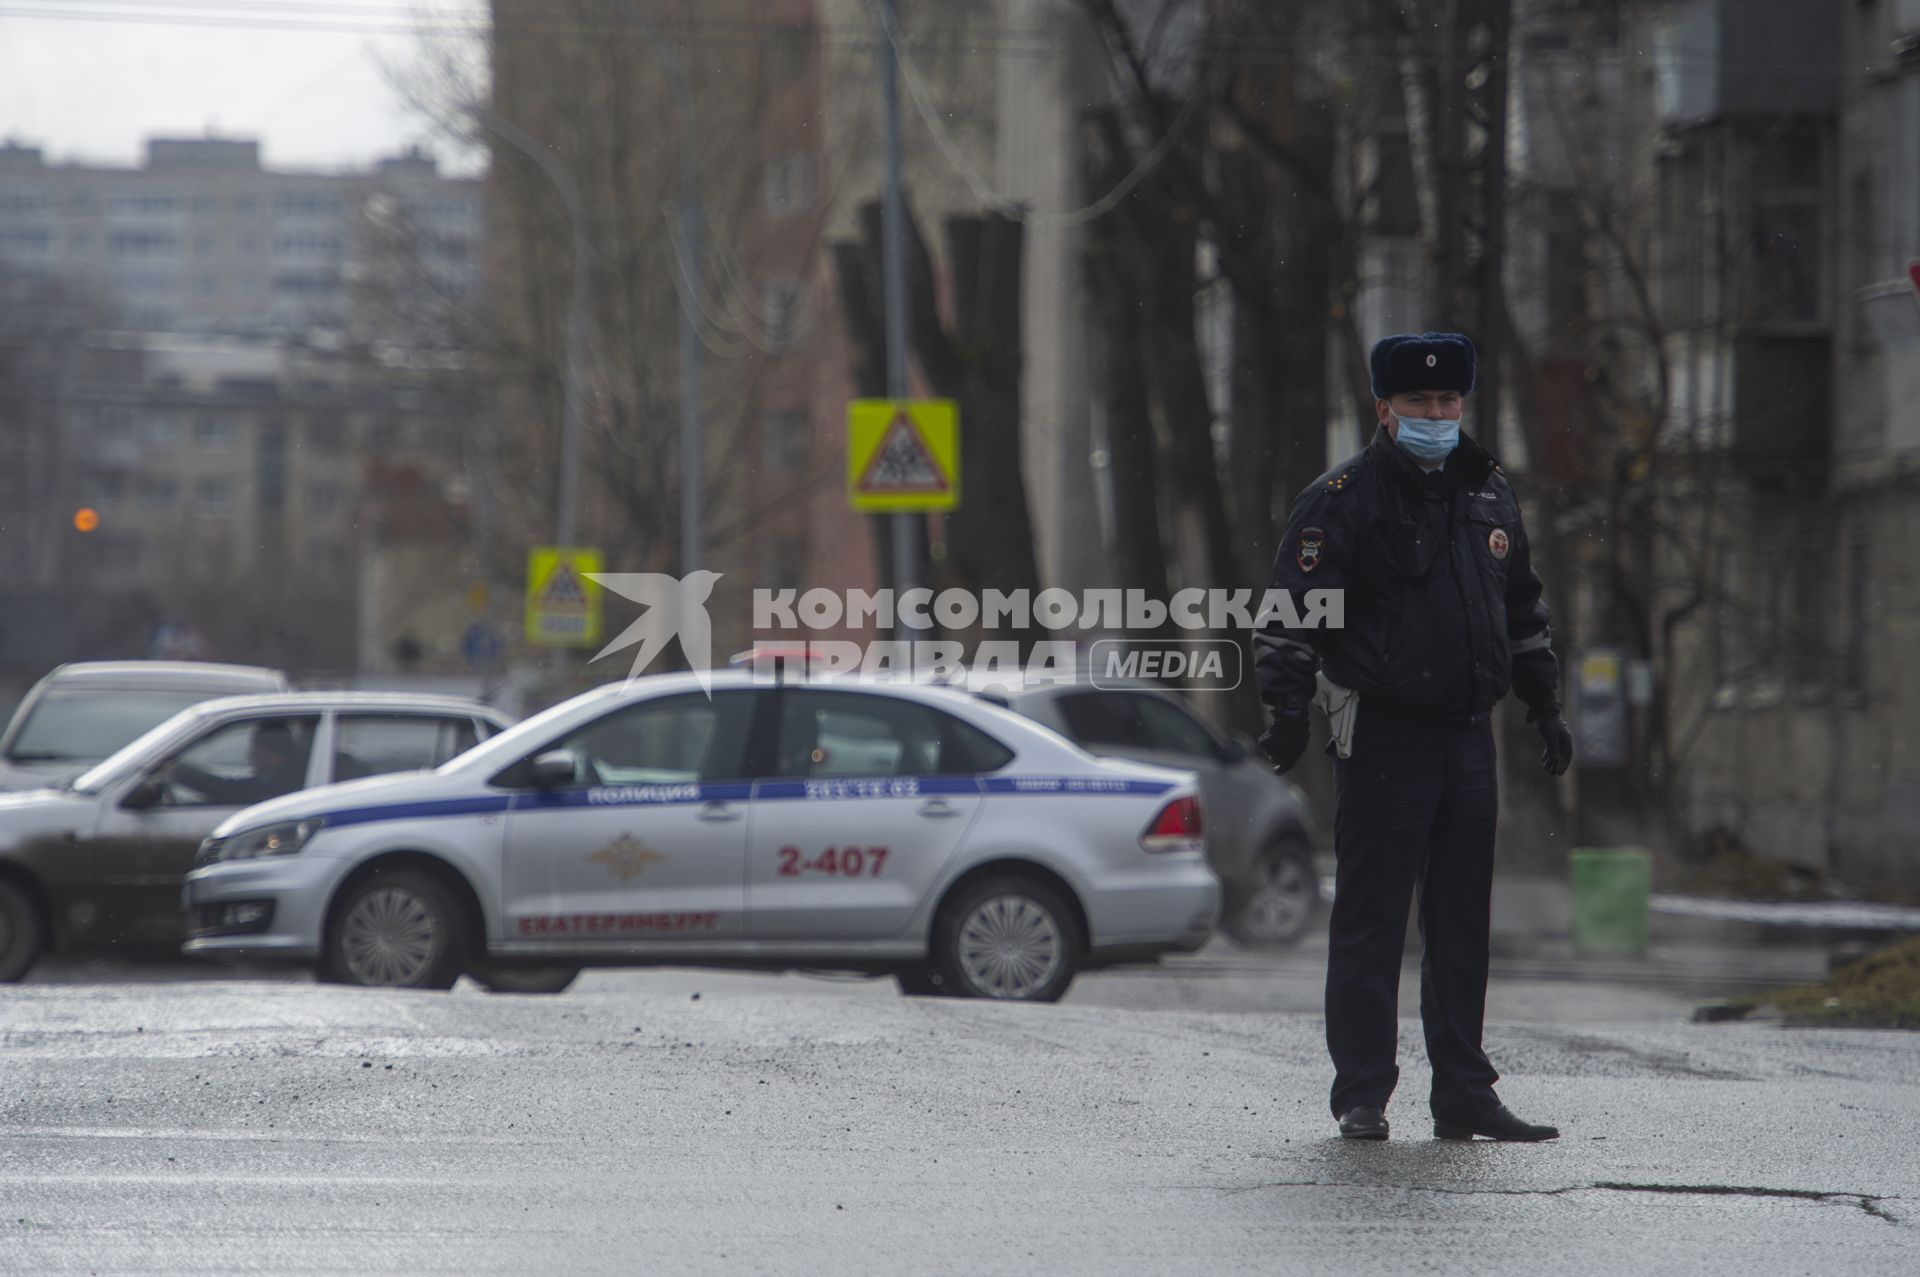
895,828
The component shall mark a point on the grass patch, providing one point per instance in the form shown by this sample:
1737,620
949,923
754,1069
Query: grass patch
1732,874
1879,991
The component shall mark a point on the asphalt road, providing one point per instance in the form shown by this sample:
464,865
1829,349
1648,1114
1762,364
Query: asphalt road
153,1120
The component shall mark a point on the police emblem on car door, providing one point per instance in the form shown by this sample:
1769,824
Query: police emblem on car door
647,841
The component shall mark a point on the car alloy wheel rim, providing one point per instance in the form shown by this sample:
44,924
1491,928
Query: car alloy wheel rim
1281,898
388,938
1010,947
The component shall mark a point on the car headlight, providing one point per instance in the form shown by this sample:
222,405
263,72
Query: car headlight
266,840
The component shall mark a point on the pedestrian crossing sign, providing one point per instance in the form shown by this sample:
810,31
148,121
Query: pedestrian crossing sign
563,603
903,455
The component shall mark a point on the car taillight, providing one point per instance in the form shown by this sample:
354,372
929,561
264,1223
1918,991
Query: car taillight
1177,828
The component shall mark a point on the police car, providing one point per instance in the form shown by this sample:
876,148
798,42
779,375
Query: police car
889,828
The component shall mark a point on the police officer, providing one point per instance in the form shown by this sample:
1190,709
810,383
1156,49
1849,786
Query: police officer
1442,615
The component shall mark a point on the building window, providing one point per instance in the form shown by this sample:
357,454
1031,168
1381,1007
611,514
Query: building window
783,440
1787,267
143,244
1813,570
1786,260
213,497
788,184
1683,240
143,204
784,563
307,206
160,431
158,491
327,438
213,434
790,52
22,199
1566,264
1859,611
113,434
781,304
25,243
308,247
323,499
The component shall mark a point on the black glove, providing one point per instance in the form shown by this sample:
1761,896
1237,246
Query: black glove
1558,756
1284,742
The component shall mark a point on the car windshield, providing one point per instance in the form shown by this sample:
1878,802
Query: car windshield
134,755
511,743
87,726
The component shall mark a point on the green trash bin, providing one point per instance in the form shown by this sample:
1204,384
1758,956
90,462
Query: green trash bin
1611,888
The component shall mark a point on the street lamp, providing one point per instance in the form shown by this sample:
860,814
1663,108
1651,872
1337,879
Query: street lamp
564,516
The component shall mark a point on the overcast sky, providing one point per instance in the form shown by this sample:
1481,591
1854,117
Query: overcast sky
93,90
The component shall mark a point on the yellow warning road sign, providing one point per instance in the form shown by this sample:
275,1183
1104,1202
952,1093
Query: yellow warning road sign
903,454
563,603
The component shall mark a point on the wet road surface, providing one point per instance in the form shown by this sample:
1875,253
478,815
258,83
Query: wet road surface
1168,1121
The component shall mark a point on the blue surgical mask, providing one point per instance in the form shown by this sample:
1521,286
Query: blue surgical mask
1427,439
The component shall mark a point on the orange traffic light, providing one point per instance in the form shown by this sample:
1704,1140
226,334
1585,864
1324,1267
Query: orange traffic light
86,519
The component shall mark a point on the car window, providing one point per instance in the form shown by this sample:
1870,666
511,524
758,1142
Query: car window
241,763
76,726
1172,729
1105,721
1122,721
375,744
850,734
673,740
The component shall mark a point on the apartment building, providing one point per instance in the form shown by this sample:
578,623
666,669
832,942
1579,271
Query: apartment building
203,238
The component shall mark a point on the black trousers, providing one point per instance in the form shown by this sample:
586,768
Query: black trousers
1417,803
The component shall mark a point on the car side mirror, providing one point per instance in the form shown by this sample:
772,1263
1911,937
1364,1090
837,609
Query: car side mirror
1237,748
150,792
554,768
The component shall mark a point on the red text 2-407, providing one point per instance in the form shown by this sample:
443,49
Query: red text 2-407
838,862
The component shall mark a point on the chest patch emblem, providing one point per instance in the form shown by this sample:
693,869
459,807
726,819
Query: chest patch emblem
1312,542
1498,543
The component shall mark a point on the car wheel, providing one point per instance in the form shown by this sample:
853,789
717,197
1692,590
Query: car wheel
920,982
1276,908
1011,938
20,933
402,930
510,979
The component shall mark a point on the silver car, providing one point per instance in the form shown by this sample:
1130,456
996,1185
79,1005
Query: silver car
83,711
1259,834
97,863
915,831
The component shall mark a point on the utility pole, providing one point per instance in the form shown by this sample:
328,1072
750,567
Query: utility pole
692,455
894,286
1470,156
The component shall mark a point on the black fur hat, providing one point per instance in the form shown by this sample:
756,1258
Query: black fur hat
1425,361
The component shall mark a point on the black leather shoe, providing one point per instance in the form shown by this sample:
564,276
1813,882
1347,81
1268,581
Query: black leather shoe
1497,1123
1363,1124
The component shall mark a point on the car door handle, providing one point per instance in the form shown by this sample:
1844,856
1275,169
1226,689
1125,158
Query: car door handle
938,807
716,812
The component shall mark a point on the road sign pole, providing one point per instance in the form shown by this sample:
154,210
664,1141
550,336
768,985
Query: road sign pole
893,251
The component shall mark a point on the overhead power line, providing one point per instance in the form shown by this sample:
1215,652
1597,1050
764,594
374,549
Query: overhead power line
351,19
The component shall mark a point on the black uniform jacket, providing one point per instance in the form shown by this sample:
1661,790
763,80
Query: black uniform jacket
1442,606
